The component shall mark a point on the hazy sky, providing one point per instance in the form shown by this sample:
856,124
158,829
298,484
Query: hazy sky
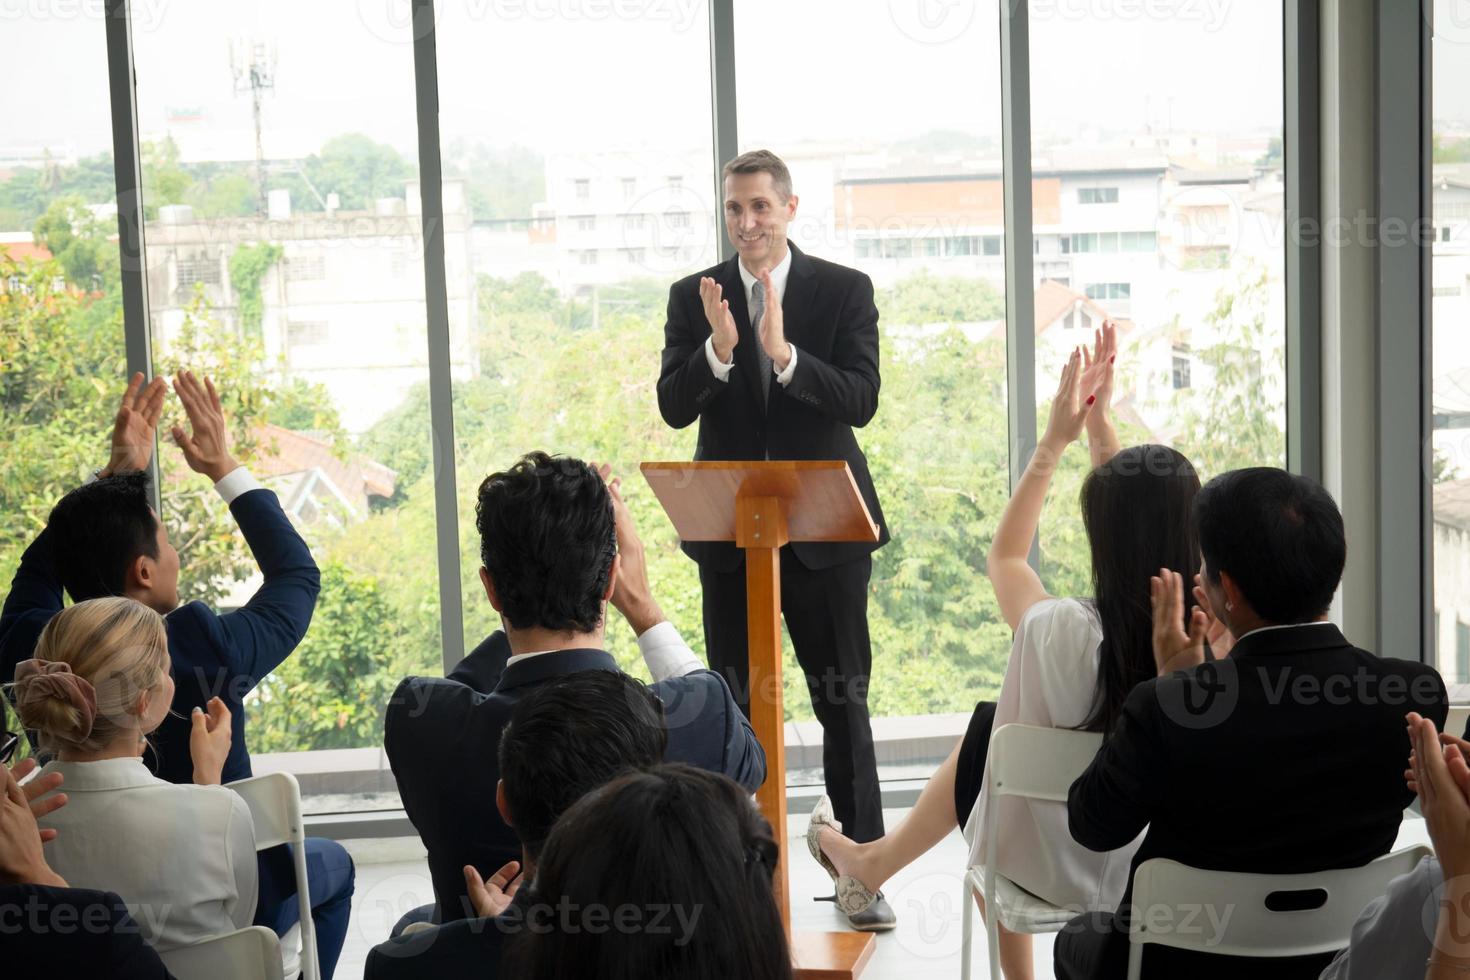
559,74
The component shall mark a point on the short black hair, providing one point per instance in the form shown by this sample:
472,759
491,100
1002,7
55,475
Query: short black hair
1278,535
547,540
571,736
98,530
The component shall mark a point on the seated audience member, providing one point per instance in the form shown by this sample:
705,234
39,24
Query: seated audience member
568,737
1287,757
556,545
1073,660
46,927
182,856
658,875
1396,936
103,539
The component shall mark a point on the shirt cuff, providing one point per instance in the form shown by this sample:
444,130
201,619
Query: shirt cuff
236,482
666,653
784,377
721,370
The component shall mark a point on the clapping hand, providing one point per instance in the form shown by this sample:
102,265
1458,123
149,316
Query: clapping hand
490,898
632,595
1068,411
1441,777
37,791
721,320
1174,647
206,448
773,326
1217,634
134,426
21,860
1097,368
209,742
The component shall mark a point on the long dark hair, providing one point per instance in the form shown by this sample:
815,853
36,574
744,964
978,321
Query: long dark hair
1136,509
673,838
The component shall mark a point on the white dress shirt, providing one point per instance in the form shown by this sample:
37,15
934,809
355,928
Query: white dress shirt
1049,683
779,275
181,857
663,649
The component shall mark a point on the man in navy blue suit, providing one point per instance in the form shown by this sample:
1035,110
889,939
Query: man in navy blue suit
556,546
103,539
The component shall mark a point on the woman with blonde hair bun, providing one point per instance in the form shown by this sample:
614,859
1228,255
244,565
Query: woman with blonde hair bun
182,857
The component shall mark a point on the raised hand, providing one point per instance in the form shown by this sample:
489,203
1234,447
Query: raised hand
721,320
490,898
1097,368
134,426
209,741
1440,772
21,860
1217,634
632,595
1174,648
1068,411
36,793
206,448
773,326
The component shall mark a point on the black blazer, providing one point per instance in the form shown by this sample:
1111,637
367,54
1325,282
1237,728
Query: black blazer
465,948
72,932
1286,757
832,322
443,737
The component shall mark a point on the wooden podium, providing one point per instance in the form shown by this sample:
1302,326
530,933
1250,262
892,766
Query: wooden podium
761,506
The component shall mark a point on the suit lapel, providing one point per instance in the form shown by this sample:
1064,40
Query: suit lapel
801,292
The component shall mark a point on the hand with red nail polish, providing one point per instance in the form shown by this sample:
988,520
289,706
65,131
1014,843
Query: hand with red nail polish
1097,384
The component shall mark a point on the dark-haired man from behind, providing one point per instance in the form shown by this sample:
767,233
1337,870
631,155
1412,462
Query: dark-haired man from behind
564,740
557,545
104,539
1286,757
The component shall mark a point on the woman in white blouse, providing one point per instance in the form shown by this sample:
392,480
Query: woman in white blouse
181,857
1072,664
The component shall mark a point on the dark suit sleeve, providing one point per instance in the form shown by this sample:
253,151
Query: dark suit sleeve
845,388
263,632
685,382
128,956
708,730
35,594
1113,800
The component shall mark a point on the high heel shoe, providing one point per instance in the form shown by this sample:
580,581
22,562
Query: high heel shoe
852,896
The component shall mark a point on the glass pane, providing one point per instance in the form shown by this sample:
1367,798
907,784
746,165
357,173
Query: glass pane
1161,208
284,254
900,177
63,364
588,192
1450,345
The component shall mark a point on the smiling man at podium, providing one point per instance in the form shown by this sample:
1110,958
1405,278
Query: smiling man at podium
775,353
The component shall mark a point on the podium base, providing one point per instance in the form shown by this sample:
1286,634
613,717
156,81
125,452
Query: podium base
831,955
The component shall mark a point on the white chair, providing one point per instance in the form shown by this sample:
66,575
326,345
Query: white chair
252,953
275,808
1041,764
1166,893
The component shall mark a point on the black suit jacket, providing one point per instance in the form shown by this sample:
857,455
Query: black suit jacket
465,948
72,932
443,738
1287,757
831,320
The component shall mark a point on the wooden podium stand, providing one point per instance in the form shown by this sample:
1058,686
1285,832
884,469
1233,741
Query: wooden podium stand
761,506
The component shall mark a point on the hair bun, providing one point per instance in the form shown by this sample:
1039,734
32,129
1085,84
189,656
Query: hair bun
38,681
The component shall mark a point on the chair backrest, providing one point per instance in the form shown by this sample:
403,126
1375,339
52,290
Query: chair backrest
1040,763
275,809
1233,913
252,953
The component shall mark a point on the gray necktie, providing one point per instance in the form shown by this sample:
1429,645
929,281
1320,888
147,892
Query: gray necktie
763,360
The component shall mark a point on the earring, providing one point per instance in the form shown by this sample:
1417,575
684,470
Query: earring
1230,607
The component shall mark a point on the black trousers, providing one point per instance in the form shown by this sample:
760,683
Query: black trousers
826,612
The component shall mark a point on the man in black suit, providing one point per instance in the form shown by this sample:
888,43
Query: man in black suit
557,545
564,740
776,354
1286,757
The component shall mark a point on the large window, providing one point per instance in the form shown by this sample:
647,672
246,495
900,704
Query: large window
584,203
284,256
900,177
1161,207
1450,343
62,359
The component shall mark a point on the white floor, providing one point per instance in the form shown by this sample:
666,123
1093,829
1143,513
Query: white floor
392,878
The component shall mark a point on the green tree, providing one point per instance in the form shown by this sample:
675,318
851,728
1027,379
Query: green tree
356,168
71,233
248,266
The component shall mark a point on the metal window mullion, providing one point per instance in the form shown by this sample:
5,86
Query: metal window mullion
1015,89
1402,464
722,107
1302,153
128,175
436,301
